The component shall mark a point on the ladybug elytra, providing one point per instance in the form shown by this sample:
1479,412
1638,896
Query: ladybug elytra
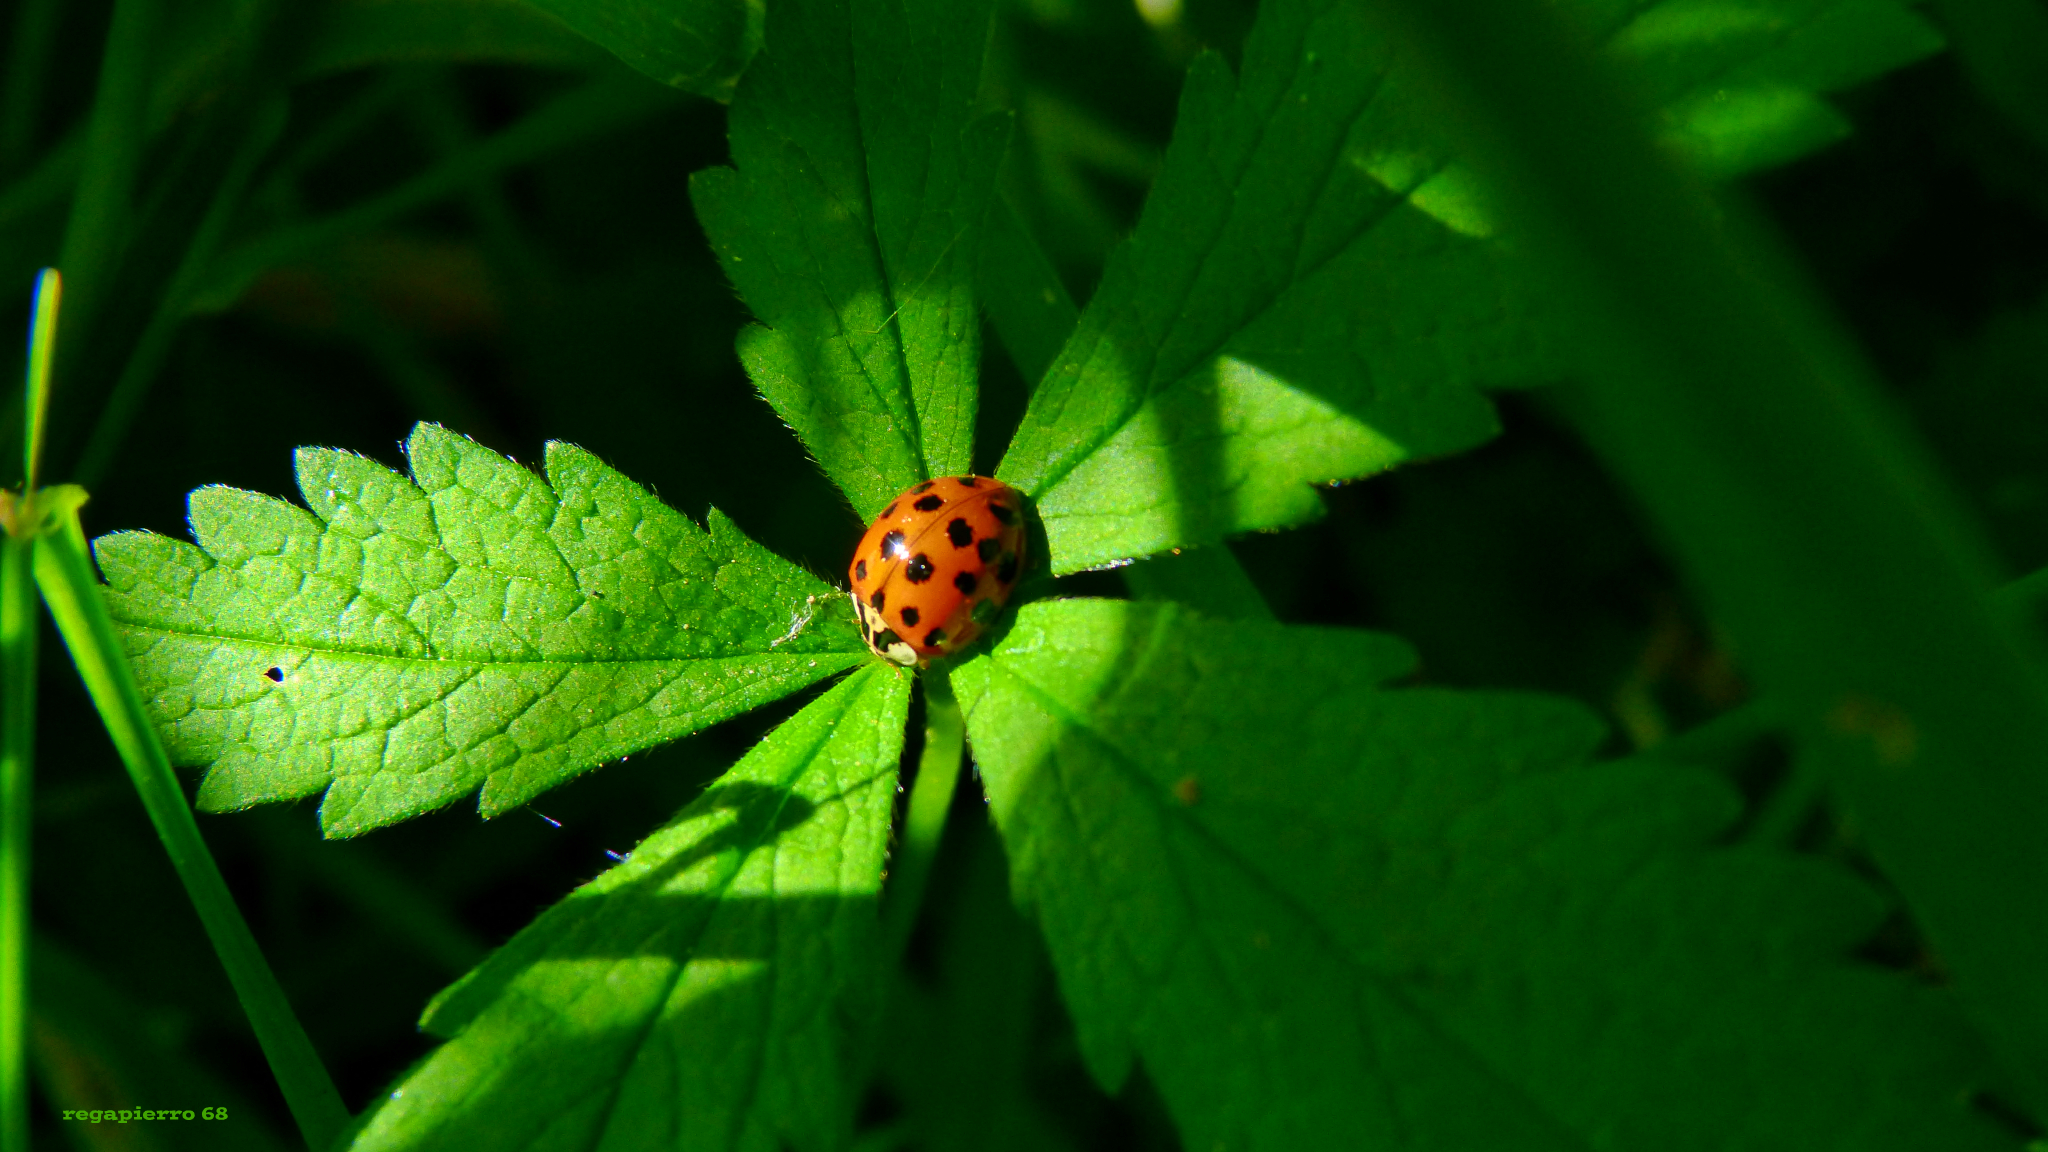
936,566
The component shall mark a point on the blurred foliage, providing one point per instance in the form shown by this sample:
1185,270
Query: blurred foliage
463,212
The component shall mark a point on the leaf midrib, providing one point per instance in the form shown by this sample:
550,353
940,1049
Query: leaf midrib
771,831
1157,384
1146,787
367,656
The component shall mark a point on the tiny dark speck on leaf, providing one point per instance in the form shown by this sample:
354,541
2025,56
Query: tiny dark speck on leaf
276,675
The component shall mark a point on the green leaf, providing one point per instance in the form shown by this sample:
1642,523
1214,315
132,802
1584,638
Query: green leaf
851,227
410,639
705,993
1331,915
697,45
1739,82
1286,313
1316,291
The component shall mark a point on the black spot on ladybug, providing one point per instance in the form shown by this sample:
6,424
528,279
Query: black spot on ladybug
910,617
929,503
988,548
960,532
888,512
860,569
968,481
933,637
1008,570
922,488
885,637
1003,512
875,601
918,570
892,546
965,583
275,675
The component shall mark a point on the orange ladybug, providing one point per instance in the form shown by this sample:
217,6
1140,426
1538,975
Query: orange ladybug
936,566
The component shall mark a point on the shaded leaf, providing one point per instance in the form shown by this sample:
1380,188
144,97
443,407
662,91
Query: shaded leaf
1328,914
1739,83
697,45
706,993
1316,291
851,227
410,639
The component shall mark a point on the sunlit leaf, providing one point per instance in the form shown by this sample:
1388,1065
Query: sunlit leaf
708,993
865,166
409,639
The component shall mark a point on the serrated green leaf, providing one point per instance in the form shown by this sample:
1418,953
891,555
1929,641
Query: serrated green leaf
1331,915
410,639
705,993
851,227
1317,292
1286,312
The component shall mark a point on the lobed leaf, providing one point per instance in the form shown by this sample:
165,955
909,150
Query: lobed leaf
705,993
409,639
1329,914
851,224
697,45
1316,291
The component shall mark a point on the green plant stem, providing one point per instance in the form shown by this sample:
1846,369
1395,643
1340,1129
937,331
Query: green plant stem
115,134
931,798
64,573
28,66
42,352
280,184
1821,535
599,106
46,183
146,359
17,747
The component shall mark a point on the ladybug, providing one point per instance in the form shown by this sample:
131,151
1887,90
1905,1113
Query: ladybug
936,566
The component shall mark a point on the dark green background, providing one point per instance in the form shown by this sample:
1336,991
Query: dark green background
575,298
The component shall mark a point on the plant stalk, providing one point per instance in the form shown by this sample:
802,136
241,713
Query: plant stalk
931,798
63,570
116,132
42,353
17,747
